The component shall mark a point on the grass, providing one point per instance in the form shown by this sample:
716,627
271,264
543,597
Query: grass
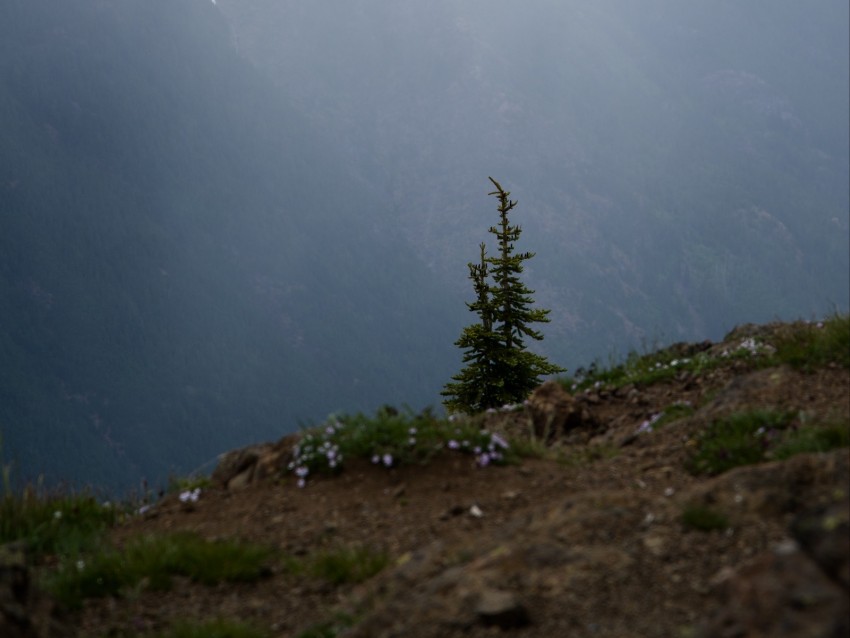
54,523
339,565
703,519
392,438
755,436
801,345
810,345
151,562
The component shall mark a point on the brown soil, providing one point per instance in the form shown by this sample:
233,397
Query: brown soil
587,543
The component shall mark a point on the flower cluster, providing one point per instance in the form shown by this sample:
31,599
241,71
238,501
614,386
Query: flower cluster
487,447
190,496
390,439
317,450
748,346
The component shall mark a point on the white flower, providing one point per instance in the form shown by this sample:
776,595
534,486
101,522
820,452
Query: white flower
387,459
190,496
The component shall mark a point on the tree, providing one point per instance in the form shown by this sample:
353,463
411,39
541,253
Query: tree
499,370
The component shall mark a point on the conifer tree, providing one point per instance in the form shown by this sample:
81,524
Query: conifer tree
499,370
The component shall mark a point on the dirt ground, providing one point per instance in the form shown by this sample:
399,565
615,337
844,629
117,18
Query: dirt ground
589,542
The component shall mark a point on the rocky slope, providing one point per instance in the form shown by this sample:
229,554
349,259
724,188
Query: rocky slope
606,532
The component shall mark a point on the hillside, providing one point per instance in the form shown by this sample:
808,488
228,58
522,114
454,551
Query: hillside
696,491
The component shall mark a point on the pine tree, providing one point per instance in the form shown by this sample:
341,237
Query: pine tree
499,369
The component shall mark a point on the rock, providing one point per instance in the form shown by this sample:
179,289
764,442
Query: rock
502,609
823,535
24,611
239,468
555,412
781,594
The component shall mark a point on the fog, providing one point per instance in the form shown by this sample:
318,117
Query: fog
224,220
668,157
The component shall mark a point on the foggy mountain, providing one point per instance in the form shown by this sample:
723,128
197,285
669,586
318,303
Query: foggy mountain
218,220
679,168
185,266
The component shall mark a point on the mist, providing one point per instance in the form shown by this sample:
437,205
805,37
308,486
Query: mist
222,221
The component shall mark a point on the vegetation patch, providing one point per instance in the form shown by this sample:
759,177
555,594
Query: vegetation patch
152,561
704,519
810,345
339,565
53,523
760,435
392,438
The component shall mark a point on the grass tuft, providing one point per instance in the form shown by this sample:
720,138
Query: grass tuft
347,565
810,345
755,436
154,560
54,523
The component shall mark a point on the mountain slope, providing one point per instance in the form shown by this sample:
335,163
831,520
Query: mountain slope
185,265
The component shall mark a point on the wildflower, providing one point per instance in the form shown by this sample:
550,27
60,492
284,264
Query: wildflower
453,445
302,471
484,460
646,426
412,440
57,514
302,483
412,431
387,459
376,459
81,565
498,440
190,496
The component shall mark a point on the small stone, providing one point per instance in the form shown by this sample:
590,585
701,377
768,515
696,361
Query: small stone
501,609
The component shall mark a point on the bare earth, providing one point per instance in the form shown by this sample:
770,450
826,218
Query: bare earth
587,543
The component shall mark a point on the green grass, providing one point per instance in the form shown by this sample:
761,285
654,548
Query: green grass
338,565
808,439
392,438
152,562
704,519
54,523
811,345
801,345
755,436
